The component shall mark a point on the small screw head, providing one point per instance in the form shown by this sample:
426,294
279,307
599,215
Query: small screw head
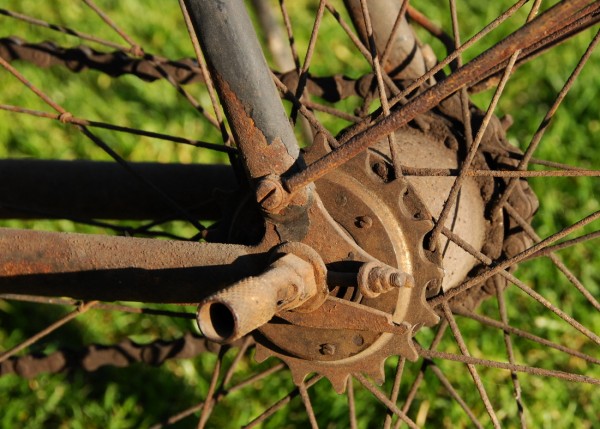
364,222
381,169
341,200
327,349
269,194
358,340
451,143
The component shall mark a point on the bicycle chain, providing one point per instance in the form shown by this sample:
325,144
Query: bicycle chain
122,354
151,68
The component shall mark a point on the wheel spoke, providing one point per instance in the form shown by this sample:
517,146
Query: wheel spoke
47,331
472,370
519,174
128,130
380,86
537,137
100,143
501,266
554,258
565,244
221,394
472,152
281,403
527,335
61,29
209,401
394,33
432,354
384,400
510,354
303,76
291,39
351,405
511,278
453,393
420,376
99,306
134,47
395,389
308,406
361,47
212,92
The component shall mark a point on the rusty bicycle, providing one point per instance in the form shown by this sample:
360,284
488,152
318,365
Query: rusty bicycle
367,245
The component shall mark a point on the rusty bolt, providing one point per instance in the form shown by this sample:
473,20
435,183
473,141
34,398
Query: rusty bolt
381,169
364,222
399,279
327,349
269,194
375,278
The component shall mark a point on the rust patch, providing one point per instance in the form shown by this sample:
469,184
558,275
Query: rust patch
260,157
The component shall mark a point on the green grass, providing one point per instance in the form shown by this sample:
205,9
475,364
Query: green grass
140,396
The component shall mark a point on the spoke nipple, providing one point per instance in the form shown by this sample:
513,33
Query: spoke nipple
65,117
137,51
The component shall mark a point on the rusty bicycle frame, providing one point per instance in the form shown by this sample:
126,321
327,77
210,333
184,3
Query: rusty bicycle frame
44,263
301,252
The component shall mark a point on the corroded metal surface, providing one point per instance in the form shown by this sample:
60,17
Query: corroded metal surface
121,354
468,75
339,230
183,71
288,283
120,268
246,89
363,213
376,278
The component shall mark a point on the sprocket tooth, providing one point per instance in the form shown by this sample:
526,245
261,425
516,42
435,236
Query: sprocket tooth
261,353
376,371
339,382
404,347
427,316
298,375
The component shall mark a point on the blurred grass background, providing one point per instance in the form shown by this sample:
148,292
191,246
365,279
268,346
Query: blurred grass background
139,396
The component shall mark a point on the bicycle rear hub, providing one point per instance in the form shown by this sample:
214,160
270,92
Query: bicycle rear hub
366,223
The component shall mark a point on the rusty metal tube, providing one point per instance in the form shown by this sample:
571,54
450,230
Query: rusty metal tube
93,267
104,190
250,303
245,86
